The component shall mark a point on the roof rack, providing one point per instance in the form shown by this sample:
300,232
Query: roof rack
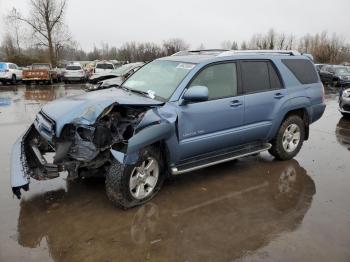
248,52
201,52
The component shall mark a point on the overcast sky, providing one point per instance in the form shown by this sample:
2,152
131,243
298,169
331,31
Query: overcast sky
208,22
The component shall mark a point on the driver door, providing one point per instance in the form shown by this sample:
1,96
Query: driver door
215,124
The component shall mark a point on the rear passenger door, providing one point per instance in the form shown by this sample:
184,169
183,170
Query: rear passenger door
264,92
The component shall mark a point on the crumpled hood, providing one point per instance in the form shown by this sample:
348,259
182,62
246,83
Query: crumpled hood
86,108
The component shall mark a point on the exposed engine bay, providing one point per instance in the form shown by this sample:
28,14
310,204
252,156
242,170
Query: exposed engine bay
83,150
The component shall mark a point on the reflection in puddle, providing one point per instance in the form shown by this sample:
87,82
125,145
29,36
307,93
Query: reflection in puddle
219,213
342,132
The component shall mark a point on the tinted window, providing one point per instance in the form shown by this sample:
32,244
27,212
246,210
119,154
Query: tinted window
73,68
275,82
255,76
302,69
220,79
104,66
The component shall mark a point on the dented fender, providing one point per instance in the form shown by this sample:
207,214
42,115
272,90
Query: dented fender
145,137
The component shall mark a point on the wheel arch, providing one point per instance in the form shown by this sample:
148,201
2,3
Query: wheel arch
302,112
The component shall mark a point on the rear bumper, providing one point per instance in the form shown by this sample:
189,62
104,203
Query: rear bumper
35,79
74,78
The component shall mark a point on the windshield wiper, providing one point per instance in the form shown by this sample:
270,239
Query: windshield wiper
135,91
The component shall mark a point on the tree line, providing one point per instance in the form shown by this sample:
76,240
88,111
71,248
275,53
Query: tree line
42,36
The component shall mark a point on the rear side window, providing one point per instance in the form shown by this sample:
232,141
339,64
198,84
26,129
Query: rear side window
104,66
220,79
255,76
302,69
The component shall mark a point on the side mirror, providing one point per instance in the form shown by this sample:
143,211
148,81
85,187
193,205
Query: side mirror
196,94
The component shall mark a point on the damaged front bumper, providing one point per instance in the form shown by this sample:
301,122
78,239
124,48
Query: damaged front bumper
27,161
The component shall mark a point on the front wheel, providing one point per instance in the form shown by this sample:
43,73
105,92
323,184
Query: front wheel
289,139
132,185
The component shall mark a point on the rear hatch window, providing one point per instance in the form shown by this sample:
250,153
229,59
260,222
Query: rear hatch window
73,68
104,66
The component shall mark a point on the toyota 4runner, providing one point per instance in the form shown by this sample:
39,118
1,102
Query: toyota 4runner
176,114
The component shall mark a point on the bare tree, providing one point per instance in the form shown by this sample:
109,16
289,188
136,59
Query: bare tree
174,45
46,21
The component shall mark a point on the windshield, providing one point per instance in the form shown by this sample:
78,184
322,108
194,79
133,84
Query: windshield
341,71
73,68
40,66
159,77
104,66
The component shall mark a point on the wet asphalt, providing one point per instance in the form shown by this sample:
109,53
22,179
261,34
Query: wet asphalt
253,209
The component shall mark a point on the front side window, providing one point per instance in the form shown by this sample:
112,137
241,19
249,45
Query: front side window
220,79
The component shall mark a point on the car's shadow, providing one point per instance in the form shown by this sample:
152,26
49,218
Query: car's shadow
214,214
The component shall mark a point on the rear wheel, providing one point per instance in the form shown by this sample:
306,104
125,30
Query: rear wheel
132,185
289,139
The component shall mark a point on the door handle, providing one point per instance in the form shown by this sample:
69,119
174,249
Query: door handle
235,103
278,95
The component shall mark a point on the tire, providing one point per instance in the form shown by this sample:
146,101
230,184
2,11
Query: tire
346,115
292,147
13,80
118,180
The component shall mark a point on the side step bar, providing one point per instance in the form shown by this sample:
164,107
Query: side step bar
214,160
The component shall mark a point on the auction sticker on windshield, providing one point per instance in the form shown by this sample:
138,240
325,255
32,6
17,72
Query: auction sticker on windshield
185,66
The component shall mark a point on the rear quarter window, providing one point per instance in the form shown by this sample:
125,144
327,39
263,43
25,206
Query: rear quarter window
302,69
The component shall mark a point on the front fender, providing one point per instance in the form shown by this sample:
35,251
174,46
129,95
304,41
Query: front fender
142,139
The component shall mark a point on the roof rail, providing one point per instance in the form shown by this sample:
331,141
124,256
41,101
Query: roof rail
277,52
201,52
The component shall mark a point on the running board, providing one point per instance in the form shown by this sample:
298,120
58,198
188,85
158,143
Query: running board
214,160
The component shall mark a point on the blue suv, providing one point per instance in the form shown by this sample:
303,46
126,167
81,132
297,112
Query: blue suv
176,114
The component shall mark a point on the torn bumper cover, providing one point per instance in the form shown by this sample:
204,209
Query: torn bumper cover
26,162
19,170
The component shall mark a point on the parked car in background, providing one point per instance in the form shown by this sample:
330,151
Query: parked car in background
335,75
318,67
344,102
40,72
60,72
74,73
114,78
103,67
10,73
174,115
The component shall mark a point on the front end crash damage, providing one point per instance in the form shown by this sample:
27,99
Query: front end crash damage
81,149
